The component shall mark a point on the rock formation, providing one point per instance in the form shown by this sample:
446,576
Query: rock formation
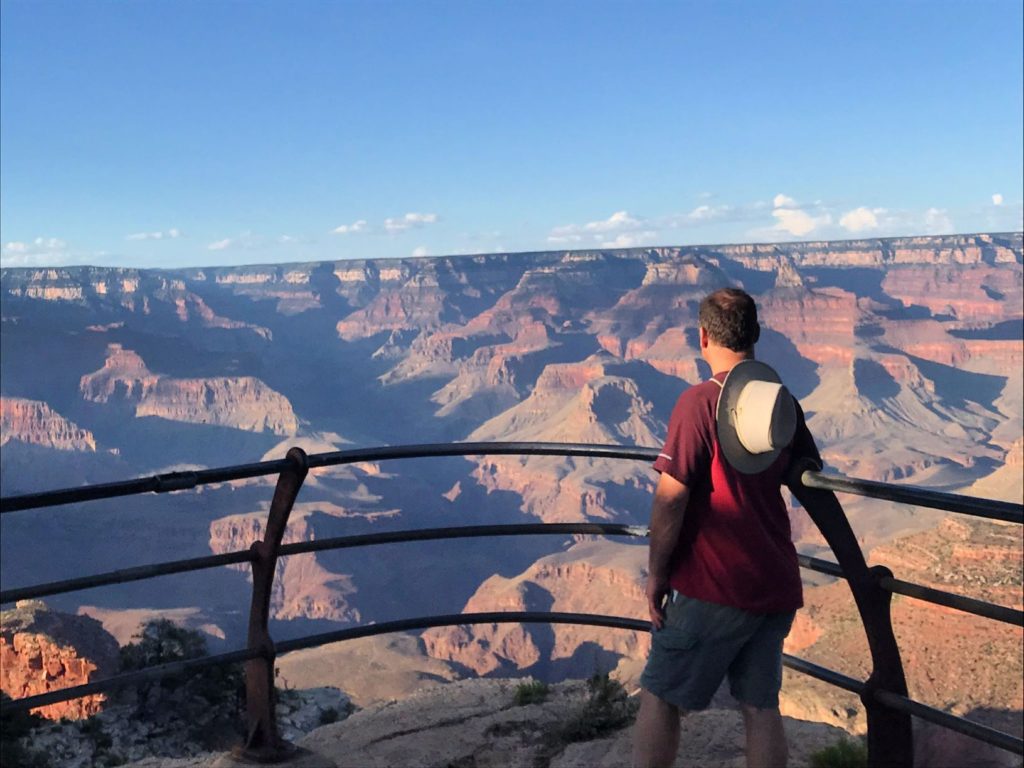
43,650
242,402
34,422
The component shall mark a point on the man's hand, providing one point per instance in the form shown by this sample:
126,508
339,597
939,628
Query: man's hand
657,591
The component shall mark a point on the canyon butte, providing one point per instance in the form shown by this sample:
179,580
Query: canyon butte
905,353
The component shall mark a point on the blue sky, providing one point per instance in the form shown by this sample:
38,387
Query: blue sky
203,133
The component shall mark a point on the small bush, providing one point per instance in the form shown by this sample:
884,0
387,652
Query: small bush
608,709
533,692
14,726
842,754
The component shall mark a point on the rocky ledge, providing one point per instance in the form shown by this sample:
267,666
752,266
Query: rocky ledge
486,722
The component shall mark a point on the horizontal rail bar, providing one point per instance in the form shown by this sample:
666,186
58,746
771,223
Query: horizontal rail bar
172,481
460,532
313,641
124,575
458,619
921,497
951,600
819,565
952,722
177,481
345,542
825,674
427,450
127,679
996,510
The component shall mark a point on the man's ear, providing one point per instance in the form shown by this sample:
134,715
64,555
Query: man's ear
703,337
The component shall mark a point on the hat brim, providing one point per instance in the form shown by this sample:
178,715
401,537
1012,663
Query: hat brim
739,457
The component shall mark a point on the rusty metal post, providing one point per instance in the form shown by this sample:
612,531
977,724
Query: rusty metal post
264,744
890,737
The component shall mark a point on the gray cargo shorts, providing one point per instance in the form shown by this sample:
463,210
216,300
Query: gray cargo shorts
700,643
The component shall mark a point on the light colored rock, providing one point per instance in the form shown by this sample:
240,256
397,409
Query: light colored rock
476,722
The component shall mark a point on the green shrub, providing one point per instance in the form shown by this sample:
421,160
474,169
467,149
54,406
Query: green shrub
843,754
532,692
329,715
211,698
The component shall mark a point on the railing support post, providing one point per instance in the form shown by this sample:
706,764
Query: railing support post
263,743
890,736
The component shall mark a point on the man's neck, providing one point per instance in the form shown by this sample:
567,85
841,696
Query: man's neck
723,359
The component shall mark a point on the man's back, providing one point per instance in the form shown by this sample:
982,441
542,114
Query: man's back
735,547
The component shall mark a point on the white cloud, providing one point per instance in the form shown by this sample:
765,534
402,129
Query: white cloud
997,199
351,229
170,234
618,222
420,250
409,221
860,219
221,245
937,222
793,220
705,213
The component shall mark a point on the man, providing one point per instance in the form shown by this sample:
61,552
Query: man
723,583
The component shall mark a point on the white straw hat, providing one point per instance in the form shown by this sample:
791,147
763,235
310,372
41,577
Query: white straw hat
756,417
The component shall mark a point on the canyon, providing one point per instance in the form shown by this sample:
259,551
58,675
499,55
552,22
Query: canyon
906,355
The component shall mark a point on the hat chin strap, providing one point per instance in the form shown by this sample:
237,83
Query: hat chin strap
752,417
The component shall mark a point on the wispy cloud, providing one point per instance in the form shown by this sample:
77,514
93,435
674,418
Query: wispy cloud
997,199
351,229
246,240
937,222
170,234
410,221
221,245
42,251
601,231
50,252
421,250
39,245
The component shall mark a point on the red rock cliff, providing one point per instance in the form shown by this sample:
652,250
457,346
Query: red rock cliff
43,650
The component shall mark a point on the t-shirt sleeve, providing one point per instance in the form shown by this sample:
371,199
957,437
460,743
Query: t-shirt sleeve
687,452
803,442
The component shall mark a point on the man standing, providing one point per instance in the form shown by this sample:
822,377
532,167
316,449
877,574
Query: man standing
723,579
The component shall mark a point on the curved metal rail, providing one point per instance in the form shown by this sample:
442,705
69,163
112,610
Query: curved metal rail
865,583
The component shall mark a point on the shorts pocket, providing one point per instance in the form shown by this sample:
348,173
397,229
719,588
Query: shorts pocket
672,638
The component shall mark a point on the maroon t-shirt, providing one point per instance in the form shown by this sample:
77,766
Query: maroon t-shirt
736,546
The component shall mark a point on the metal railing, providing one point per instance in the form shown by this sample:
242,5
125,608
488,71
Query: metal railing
884,693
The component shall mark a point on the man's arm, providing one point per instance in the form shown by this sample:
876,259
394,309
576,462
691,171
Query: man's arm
670,499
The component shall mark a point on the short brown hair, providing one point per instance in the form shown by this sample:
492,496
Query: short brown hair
729,316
